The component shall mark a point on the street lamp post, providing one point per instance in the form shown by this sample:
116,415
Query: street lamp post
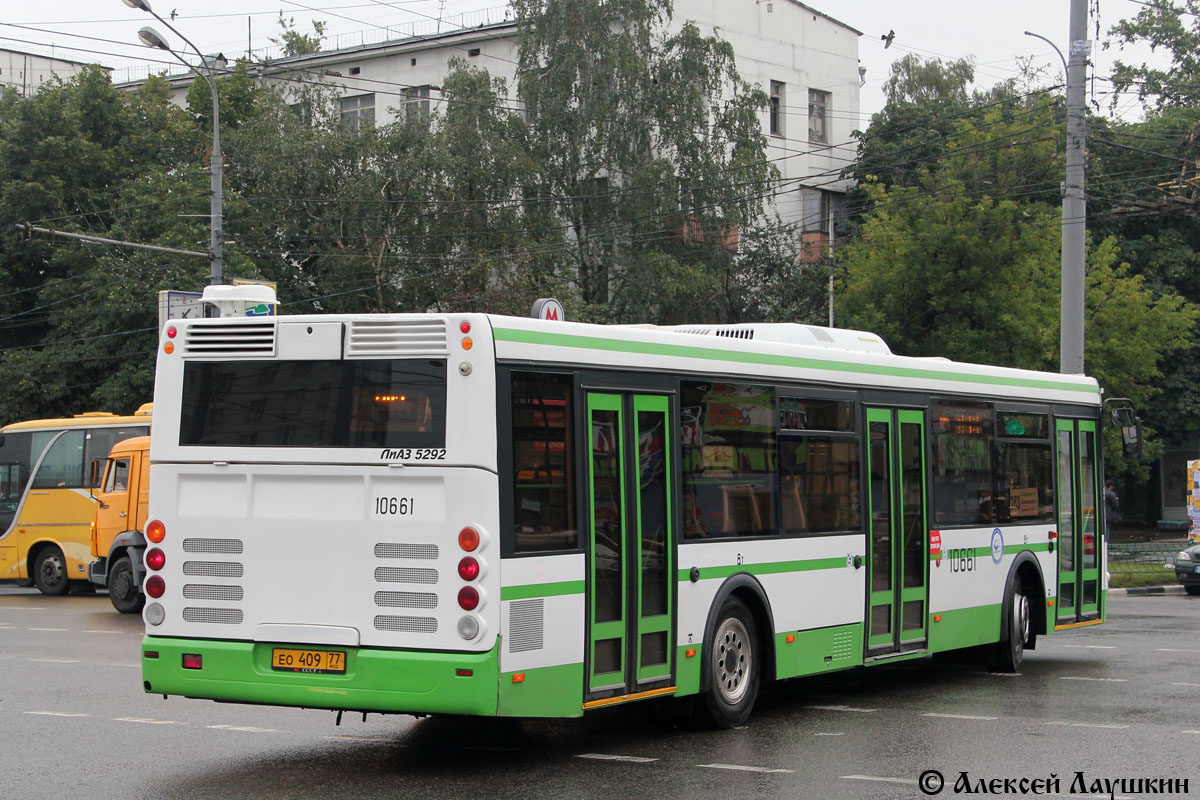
152,38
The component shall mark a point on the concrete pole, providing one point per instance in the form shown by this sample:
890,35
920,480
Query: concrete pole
1074,210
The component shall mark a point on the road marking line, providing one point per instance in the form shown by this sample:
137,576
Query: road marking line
1092,646
842,733
105,632
607,757
1170,650
879,779
148,721
999,674
1173,684
1084,678
55,660
346,737
52,630
56,714
1189,731
957,716
246,728
742,768
845,708
22,608
1085,724
134,666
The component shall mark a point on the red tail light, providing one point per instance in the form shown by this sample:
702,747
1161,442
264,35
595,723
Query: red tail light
468,569
468,598
193,661
155,559
155,586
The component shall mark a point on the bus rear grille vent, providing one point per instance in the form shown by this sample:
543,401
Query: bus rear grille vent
820,334
406,599
406,624
233,546
406,575
207,591
231,339
426,552
525,625
220,616
213,569
735,333
396,338
697,331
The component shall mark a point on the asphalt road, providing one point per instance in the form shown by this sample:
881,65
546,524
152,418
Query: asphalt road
1114,701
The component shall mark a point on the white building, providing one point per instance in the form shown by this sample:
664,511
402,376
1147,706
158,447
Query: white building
27,71
805,60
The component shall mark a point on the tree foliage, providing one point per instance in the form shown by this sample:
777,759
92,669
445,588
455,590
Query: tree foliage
1169,27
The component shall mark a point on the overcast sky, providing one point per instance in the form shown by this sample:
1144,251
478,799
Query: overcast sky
991,32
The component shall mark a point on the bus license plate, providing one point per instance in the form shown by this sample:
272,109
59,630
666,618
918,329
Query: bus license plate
324,662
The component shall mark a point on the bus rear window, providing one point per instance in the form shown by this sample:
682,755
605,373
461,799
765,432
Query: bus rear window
368,403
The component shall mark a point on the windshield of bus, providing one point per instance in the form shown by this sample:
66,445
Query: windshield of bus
351,403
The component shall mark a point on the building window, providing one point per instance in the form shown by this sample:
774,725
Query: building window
358,111
416,102
818,105
777,107
818,205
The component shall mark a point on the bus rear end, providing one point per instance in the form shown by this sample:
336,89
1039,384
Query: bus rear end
323,514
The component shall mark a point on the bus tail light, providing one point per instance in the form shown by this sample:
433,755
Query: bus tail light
155,531
193,661
155,559
468,568
469,539
468,598
155,586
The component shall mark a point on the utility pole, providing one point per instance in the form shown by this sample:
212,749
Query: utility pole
1074,209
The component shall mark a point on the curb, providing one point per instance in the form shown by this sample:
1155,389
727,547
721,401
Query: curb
1141,591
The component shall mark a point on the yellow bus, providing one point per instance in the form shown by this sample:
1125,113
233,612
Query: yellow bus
46,504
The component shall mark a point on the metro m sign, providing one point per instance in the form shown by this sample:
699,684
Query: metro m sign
549,309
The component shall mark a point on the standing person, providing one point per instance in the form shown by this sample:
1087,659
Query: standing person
1112,507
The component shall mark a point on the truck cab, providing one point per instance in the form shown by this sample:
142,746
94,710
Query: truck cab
117,540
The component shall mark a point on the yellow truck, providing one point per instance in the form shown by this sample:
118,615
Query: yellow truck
123,492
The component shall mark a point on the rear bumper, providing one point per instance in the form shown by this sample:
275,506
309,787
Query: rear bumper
396,681
1187,575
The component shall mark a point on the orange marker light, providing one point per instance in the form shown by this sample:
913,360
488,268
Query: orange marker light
168,348
468,539
467,344
155,531
690,652
937,617
1050,603
791,637
519,677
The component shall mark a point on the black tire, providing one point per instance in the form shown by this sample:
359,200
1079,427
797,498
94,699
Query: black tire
734,661
123,590
1009,652
1192,590
50,572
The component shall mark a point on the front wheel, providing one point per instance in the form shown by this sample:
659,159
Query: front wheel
50,572
733,666
1010,651
123,590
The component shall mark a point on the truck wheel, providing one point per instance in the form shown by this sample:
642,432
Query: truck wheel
123,590
733,666
50,571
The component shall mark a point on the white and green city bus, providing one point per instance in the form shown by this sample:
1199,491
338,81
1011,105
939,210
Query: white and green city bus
490,515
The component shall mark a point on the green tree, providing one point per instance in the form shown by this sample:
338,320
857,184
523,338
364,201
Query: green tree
1168,27
295,43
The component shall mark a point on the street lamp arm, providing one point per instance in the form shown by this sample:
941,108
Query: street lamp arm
191,67
1066,69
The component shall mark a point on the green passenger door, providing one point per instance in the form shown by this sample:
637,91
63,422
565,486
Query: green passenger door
898,551
631,545
1080,540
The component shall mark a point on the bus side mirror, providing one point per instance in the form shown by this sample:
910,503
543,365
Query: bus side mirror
97,472
1131,439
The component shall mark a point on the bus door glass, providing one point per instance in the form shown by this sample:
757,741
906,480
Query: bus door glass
1080,539
898,549
631,545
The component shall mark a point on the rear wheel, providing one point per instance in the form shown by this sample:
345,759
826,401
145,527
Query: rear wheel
123,590
733,666
50,571
1010,651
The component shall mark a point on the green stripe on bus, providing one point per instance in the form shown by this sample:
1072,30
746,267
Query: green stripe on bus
767,359
529,590
771,568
